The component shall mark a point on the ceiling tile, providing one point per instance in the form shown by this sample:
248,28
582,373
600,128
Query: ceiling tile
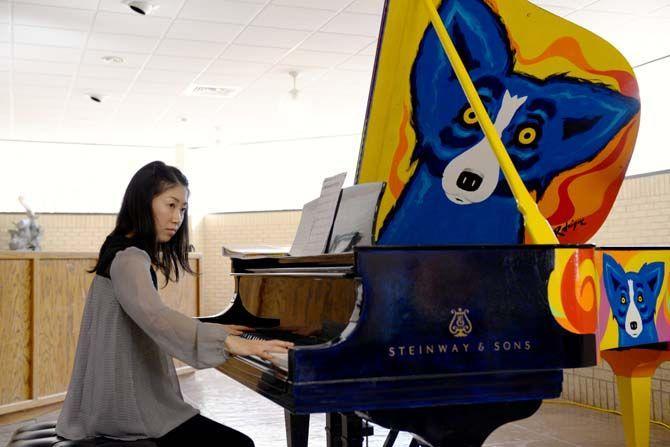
5,50
336,43
26,66
639,40
253,54
292,18
333,5
271,37
166,8
4,12
42,79
141,100
201,30
558,10
220,11
157,88
367,6
175,63
47,53
43,91
224,80
572,4
189,48
170,77
109,22
370,49
349,23
604,24
359,63
97,85
122,42
337,77
94,57
663,12
52,17
5,64
4,32
77,4
627,6
314,59
49,36
238,67
108,72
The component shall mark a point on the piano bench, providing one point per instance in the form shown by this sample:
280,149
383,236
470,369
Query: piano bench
43,434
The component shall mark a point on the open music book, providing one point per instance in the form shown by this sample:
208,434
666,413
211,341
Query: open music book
333,223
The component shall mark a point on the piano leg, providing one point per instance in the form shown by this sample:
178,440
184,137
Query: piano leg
634,369
345,430
454,425
297,429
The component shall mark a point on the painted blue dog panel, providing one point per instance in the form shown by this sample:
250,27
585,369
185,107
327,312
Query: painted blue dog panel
632,297
457,194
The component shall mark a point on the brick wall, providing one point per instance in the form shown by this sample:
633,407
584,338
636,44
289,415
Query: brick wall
238,229
64,232
640,216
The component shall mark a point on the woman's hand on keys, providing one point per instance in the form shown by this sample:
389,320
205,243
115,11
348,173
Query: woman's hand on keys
261,348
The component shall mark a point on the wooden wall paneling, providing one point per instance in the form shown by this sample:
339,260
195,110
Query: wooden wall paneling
63,286
15,330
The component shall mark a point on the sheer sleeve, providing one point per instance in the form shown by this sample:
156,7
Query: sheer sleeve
191,341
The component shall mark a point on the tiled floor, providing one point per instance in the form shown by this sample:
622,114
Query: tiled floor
554,425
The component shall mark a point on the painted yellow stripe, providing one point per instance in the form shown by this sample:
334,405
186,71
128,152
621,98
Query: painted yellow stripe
539,229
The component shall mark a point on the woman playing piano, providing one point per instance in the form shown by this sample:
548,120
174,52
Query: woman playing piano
124,384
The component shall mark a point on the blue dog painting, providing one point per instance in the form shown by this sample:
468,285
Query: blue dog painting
632,297
457,194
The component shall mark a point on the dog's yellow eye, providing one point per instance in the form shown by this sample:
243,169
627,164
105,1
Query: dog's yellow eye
623,299
640,299
469,116
527,136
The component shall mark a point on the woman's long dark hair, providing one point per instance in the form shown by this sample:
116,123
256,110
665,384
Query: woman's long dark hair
136,218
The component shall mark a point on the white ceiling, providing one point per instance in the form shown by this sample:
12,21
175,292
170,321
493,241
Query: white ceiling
51,50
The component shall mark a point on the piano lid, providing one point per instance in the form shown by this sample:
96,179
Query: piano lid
564,100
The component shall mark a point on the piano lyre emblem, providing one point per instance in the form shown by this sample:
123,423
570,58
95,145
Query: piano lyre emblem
460,325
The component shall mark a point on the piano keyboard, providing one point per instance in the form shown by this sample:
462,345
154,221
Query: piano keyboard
298,340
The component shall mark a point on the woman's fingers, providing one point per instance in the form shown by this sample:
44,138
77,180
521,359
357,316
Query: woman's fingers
282,345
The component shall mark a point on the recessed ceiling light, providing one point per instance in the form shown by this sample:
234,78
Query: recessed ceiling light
113,59
95,97
141,7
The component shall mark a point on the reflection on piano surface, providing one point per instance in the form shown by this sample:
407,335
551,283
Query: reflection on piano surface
451,341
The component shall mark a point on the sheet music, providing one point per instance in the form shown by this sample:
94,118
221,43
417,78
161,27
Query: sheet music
317,219
255,251
354,224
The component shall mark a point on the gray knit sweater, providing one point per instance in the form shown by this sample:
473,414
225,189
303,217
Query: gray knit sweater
124,383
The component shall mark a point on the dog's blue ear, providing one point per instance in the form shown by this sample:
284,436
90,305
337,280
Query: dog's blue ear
588,116
614,275
479,37
652,275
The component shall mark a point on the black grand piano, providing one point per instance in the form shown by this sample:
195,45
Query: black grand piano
466,332
451,324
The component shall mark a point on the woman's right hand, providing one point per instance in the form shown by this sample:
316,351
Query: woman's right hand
261,348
